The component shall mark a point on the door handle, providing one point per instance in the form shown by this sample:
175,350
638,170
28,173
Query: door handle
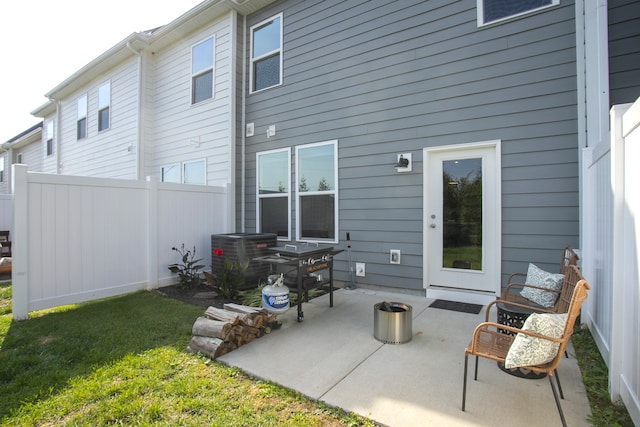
432,226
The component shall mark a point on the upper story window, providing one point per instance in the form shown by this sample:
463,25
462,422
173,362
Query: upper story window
49,136
490,11
2,169
266,54
274,193
202,60
19,158
104,104
81,124
317,197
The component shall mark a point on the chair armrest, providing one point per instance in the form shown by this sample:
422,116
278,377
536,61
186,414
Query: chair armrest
512,280
514,275
485,327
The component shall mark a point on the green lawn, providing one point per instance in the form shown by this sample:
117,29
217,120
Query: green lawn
123,361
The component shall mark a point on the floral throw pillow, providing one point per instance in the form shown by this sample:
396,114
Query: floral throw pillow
538,277
527,350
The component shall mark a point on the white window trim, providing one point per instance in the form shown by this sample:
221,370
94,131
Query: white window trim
336,207
102,107
204,70
252,59
480,16
266,196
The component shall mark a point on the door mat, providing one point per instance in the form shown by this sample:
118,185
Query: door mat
462,307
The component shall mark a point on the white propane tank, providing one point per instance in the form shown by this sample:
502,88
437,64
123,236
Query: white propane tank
275,296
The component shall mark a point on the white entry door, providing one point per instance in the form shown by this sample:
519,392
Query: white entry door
462,222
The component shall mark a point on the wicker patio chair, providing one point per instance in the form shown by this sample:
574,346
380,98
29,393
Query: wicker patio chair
515,284
511,299
489,342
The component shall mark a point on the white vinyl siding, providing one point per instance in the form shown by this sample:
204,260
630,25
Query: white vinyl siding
189,132
31,155
109,154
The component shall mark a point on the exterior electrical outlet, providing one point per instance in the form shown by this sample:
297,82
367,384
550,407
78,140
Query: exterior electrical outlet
394,256
360,270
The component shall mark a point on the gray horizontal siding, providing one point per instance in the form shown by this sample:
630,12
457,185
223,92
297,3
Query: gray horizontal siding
390,77
624,51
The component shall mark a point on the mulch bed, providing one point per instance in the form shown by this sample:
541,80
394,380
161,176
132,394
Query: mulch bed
202,296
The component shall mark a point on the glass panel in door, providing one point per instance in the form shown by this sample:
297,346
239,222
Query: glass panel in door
462,214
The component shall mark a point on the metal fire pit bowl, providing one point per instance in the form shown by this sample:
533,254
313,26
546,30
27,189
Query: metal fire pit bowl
392,322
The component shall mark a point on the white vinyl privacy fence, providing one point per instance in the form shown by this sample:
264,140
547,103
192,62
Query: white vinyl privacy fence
76,238
611,255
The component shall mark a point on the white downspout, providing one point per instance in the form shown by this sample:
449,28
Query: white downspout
138,150
581,75
57,136
243,127
232,182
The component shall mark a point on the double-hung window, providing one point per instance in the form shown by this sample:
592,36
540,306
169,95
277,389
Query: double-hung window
490,11
104,104
202,61
274,194
81,124
266,54
317,195
49,135
2,169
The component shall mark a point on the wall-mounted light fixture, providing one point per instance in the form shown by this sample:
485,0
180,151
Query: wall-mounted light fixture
404,163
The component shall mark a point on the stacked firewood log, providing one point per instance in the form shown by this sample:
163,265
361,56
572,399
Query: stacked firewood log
222,330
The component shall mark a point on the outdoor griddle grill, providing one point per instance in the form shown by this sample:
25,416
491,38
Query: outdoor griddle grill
304,266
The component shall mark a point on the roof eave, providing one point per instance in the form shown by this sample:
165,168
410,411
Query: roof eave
33,134
199,16
107,60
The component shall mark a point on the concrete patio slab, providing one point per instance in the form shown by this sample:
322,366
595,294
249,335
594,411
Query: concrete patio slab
333,356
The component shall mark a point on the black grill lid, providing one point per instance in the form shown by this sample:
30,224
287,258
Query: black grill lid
301,249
